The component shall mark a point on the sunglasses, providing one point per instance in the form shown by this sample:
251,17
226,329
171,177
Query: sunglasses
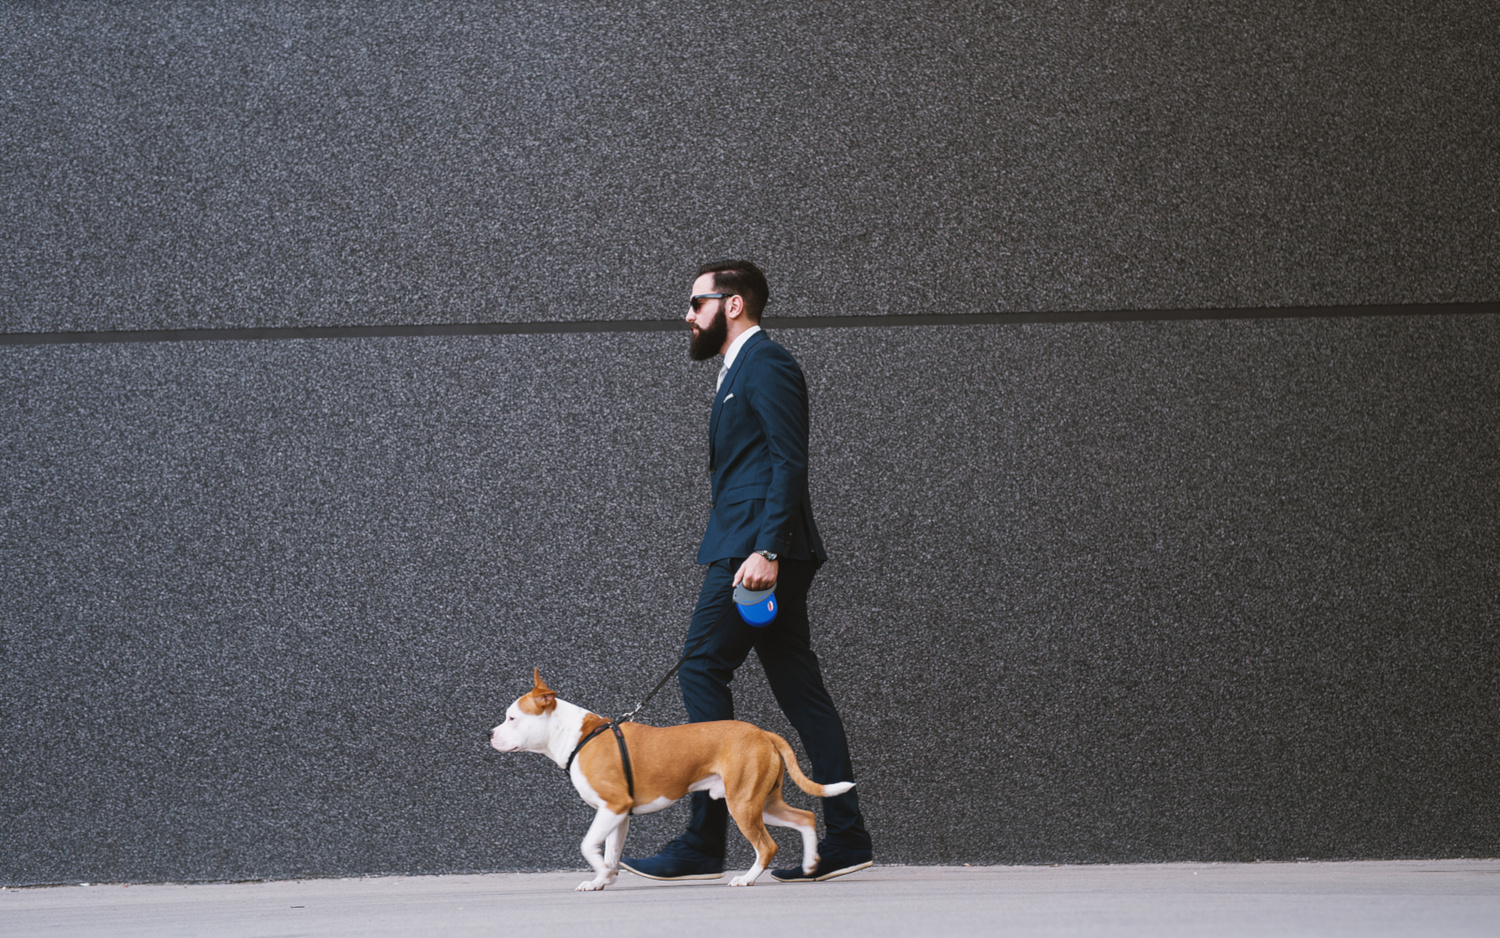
698,301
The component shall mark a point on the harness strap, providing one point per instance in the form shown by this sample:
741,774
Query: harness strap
624,754
583,742
625,761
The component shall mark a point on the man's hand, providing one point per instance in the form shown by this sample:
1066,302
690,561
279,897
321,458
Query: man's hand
757,573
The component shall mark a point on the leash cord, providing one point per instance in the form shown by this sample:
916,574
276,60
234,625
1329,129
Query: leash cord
662,683
680,662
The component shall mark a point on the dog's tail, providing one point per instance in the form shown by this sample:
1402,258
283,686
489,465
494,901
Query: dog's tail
789,758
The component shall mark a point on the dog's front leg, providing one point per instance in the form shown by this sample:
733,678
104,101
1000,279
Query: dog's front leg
614,847
606,826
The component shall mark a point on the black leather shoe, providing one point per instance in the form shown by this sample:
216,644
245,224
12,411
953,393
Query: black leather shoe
832,861
676,861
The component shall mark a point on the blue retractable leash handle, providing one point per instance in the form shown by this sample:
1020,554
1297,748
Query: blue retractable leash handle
757,607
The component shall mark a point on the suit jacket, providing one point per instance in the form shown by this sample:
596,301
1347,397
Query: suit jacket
757,455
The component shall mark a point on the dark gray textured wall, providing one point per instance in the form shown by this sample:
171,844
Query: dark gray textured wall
246,164
1100,591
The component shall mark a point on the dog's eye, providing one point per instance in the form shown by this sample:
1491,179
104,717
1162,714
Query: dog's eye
510,719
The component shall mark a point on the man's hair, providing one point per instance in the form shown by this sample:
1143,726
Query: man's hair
743,278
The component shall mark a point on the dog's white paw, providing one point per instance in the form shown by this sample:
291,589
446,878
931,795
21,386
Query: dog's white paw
746,880
592,885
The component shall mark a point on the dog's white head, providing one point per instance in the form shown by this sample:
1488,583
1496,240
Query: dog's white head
528,721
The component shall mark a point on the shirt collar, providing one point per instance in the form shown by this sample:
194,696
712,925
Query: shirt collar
733,351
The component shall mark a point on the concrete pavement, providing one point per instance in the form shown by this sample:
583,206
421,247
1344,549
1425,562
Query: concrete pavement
1447,897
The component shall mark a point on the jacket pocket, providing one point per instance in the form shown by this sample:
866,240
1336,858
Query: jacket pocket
740,493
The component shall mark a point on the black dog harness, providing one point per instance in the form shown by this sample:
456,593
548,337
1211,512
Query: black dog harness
624,754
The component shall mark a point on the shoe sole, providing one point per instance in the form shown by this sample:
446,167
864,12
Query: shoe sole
826,876
670,879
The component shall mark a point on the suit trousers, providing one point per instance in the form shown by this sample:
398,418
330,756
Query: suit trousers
785,651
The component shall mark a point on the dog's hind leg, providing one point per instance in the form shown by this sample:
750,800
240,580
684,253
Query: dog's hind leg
780,814
748,814
606,826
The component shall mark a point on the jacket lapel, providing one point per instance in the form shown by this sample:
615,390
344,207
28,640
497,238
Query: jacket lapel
726,389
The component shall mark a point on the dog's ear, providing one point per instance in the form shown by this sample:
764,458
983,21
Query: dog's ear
542,697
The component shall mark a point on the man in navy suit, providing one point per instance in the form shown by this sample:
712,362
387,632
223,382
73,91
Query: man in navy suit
760,533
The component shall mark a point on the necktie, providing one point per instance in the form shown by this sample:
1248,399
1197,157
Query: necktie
723,370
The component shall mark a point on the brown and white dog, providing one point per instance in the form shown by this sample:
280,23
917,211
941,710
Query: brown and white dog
729,759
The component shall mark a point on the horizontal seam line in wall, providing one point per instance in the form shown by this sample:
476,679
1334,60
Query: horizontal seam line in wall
672,325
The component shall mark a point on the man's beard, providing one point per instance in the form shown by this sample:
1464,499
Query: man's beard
709,340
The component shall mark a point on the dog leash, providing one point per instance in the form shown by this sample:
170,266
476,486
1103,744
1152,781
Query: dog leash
662,683
668,676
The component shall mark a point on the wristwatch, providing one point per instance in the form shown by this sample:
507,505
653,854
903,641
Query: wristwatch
768,555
